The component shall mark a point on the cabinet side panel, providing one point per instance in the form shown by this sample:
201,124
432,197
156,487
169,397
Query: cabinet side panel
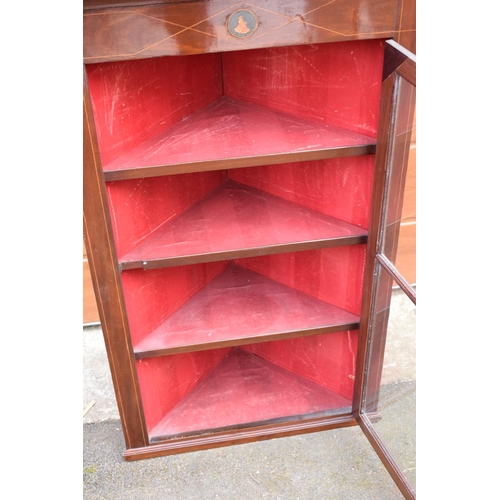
340,187
139,206
337,83
334,275
107,286
135,100
152,296
328,360
166,380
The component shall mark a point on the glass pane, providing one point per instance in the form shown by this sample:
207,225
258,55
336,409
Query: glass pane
400,211
391,386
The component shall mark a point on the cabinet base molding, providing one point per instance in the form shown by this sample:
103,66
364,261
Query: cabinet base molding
241,436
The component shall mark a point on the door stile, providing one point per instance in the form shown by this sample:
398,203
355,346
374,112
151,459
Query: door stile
390,172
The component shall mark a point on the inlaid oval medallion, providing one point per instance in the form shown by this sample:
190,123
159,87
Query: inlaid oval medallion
242,23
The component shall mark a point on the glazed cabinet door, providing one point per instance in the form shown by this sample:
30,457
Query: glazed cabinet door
386,380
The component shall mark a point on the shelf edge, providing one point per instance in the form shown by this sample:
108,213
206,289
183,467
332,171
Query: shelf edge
242,162
257,339
243,253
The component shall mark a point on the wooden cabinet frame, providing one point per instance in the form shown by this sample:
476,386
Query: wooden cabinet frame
392,160
129,32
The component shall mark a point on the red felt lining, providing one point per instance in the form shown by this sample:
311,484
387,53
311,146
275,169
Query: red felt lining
244,388
135,103
242,306
235,217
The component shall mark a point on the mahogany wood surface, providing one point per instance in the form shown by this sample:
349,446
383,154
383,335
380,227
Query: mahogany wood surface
406,27
198,27
405,34
392,156
258,432
396,57
365,422
399,164
402,93
123,55
105,275
370,280
90,311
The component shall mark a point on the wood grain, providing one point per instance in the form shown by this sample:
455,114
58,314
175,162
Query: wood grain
200,27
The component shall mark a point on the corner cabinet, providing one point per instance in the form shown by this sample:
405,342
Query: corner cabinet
228,177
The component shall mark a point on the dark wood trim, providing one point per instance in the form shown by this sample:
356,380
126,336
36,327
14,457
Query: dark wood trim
383,159
112,34
408,71
246,340
243,253
128,29
370,277
89,5
107,285
385,456
405,31
391,154
240,436
396,276
240,162
395,57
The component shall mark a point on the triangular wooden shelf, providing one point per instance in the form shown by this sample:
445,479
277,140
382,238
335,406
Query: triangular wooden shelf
236,221
240,307
231,134
243,389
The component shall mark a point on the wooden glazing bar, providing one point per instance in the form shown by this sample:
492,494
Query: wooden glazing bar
371,277
366,377
386,457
